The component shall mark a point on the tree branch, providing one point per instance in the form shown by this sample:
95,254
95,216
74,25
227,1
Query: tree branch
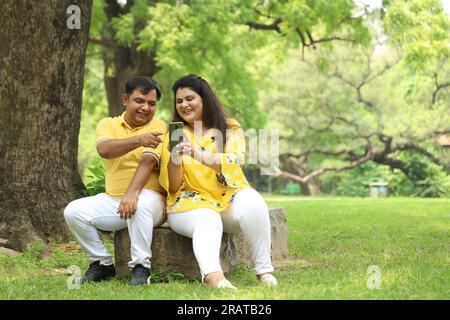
419,149
348,152
357,162
367,78
438,87
320,130
393,163
354,125
335,38
103,42
321,171
260,26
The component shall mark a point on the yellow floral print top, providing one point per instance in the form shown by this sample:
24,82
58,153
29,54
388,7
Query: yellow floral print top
201,186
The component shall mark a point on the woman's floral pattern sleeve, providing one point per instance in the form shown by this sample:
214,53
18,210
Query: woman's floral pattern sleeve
233,158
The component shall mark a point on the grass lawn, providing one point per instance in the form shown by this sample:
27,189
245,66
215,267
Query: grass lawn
332,242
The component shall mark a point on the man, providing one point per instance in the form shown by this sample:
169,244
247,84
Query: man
131,145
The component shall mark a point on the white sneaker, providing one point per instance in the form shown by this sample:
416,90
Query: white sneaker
269,280
225,284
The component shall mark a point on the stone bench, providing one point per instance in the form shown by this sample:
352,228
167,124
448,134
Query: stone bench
174,252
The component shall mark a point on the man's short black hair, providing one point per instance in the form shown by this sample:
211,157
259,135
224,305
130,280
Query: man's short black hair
146,84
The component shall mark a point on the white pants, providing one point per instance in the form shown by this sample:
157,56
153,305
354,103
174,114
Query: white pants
248,213
84,216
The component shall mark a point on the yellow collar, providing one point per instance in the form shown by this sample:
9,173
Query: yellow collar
123,122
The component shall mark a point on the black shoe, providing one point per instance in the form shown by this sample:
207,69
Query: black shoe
140,275
97,272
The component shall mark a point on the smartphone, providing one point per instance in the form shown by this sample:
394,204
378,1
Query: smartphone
177,137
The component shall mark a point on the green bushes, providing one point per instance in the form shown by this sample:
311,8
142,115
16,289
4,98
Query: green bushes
426,179
94,177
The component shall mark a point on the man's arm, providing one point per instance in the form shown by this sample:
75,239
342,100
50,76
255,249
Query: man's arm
128,203
114,148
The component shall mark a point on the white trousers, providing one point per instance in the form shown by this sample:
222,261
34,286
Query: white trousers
84,216
248,213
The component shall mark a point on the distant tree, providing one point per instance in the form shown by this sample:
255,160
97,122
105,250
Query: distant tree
356,106
344,107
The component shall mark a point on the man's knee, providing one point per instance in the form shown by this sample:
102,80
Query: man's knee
72,211
149,207
252,200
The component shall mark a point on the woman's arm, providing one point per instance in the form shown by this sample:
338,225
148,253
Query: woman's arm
209,159
175,171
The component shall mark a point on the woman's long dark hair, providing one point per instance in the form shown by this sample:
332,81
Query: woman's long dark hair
213,115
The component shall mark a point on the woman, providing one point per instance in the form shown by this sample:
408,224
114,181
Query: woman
207,190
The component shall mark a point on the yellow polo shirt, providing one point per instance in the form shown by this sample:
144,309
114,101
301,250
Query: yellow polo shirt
201,186
120,171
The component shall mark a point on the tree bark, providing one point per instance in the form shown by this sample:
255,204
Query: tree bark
41,83
300,167
310,187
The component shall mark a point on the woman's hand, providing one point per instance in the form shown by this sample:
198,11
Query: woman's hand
184,148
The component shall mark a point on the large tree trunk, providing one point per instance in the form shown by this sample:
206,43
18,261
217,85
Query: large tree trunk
300,167
310,187
41,83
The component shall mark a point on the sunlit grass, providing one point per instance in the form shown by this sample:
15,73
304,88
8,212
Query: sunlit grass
332,242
